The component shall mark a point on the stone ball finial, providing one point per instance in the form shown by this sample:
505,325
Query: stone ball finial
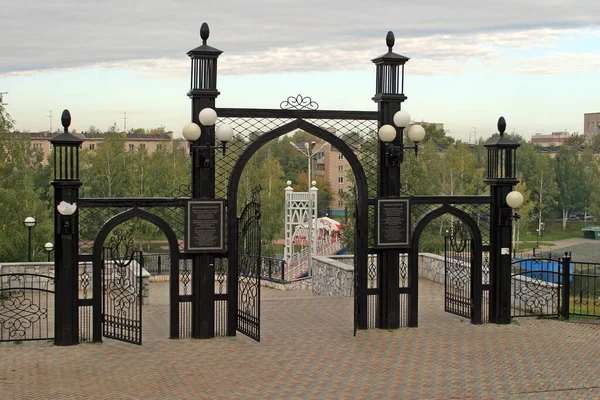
204,32
66,120
501,126
289,183
390,40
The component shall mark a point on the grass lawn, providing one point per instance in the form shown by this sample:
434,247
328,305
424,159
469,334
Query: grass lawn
552,231
589,309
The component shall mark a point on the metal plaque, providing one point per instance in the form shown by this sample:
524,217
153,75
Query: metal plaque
393,219
205,226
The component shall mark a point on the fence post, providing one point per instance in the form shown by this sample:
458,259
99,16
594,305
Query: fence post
566,285
283,270
159,264
270,268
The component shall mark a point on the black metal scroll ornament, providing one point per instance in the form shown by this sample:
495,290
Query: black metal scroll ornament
458,236
299,103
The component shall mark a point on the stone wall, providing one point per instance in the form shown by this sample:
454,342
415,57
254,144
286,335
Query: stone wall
332,277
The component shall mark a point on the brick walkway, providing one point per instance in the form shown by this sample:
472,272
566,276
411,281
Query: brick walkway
308,351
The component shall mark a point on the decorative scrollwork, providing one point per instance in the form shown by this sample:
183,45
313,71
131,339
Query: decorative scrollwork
121,249
533,294
458,237
299,103
184,190
19,314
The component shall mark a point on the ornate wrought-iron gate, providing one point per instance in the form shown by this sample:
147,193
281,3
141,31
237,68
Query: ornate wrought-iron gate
248,315
459,287
122,290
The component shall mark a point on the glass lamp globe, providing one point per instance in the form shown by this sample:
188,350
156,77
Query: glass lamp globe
514,199
207,116
224,133
191,131
29,222
401,119
416,133
387,133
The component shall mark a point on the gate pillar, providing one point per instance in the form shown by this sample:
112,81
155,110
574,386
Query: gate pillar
501,176
389,97
66,235
203,92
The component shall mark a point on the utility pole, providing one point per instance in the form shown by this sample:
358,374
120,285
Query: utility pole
124,122
50,117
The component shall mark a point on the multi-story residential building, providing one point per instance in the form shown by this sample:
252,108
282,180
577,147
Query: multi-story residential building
554,139
331,164
133,141
591,124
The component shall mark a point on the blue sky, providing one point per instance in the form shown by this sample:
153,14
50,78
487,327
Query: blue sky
537,63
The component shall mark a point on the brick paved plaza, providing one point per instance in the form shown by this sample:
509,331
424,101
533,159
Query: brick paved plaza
308,351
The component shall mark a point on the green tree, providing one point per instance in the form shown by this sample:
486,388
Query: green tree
19,167
104,170
543,187
568,169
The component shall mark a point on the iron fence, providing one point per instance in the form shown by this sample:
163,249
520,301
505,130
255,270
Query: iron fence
584,294
26,307
272,269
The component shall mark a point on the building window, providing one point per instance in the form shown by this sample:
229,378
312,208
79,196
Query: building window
142,146
340,179
37,146
131,147
340,192
158,146
92,146
340,203
340,168
340,156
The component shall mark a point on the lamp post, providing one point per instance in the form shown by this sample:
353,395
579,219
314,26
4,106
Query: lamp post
29,223
309,152
501,176
48,247
66,185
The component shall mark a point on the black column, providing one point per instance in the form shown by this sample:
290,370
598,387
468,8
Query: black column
203,187
388,262
66,266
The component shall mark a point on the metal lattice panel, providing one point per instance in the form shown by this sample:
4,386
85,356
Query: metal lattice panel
361,135
91,220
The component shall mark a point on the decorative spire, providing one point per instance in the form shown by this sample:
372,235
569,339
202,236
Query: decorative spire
390,40
66,120
204,32
501,126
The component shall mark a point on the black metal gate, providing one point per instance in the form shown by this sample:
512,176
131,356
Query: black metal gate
248,315
458,292
122,290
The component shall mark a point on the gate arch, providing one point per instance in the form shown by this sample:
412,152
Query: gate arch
413,262
99,240
361,234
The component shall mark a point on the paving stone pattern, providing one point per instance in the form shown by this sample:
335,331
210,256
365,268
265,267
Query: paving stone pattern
308,351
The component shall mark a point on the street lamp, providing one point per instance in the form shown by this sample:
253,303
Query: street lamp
309,152
48,247
394,154
29,222
191,132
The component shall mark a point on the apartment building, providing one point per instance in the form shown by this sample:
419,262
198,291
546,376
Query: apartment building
133,141
591,124
331,164
554,139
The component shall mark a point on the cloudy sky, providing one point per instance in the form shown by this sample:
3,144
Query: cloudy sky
535,62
